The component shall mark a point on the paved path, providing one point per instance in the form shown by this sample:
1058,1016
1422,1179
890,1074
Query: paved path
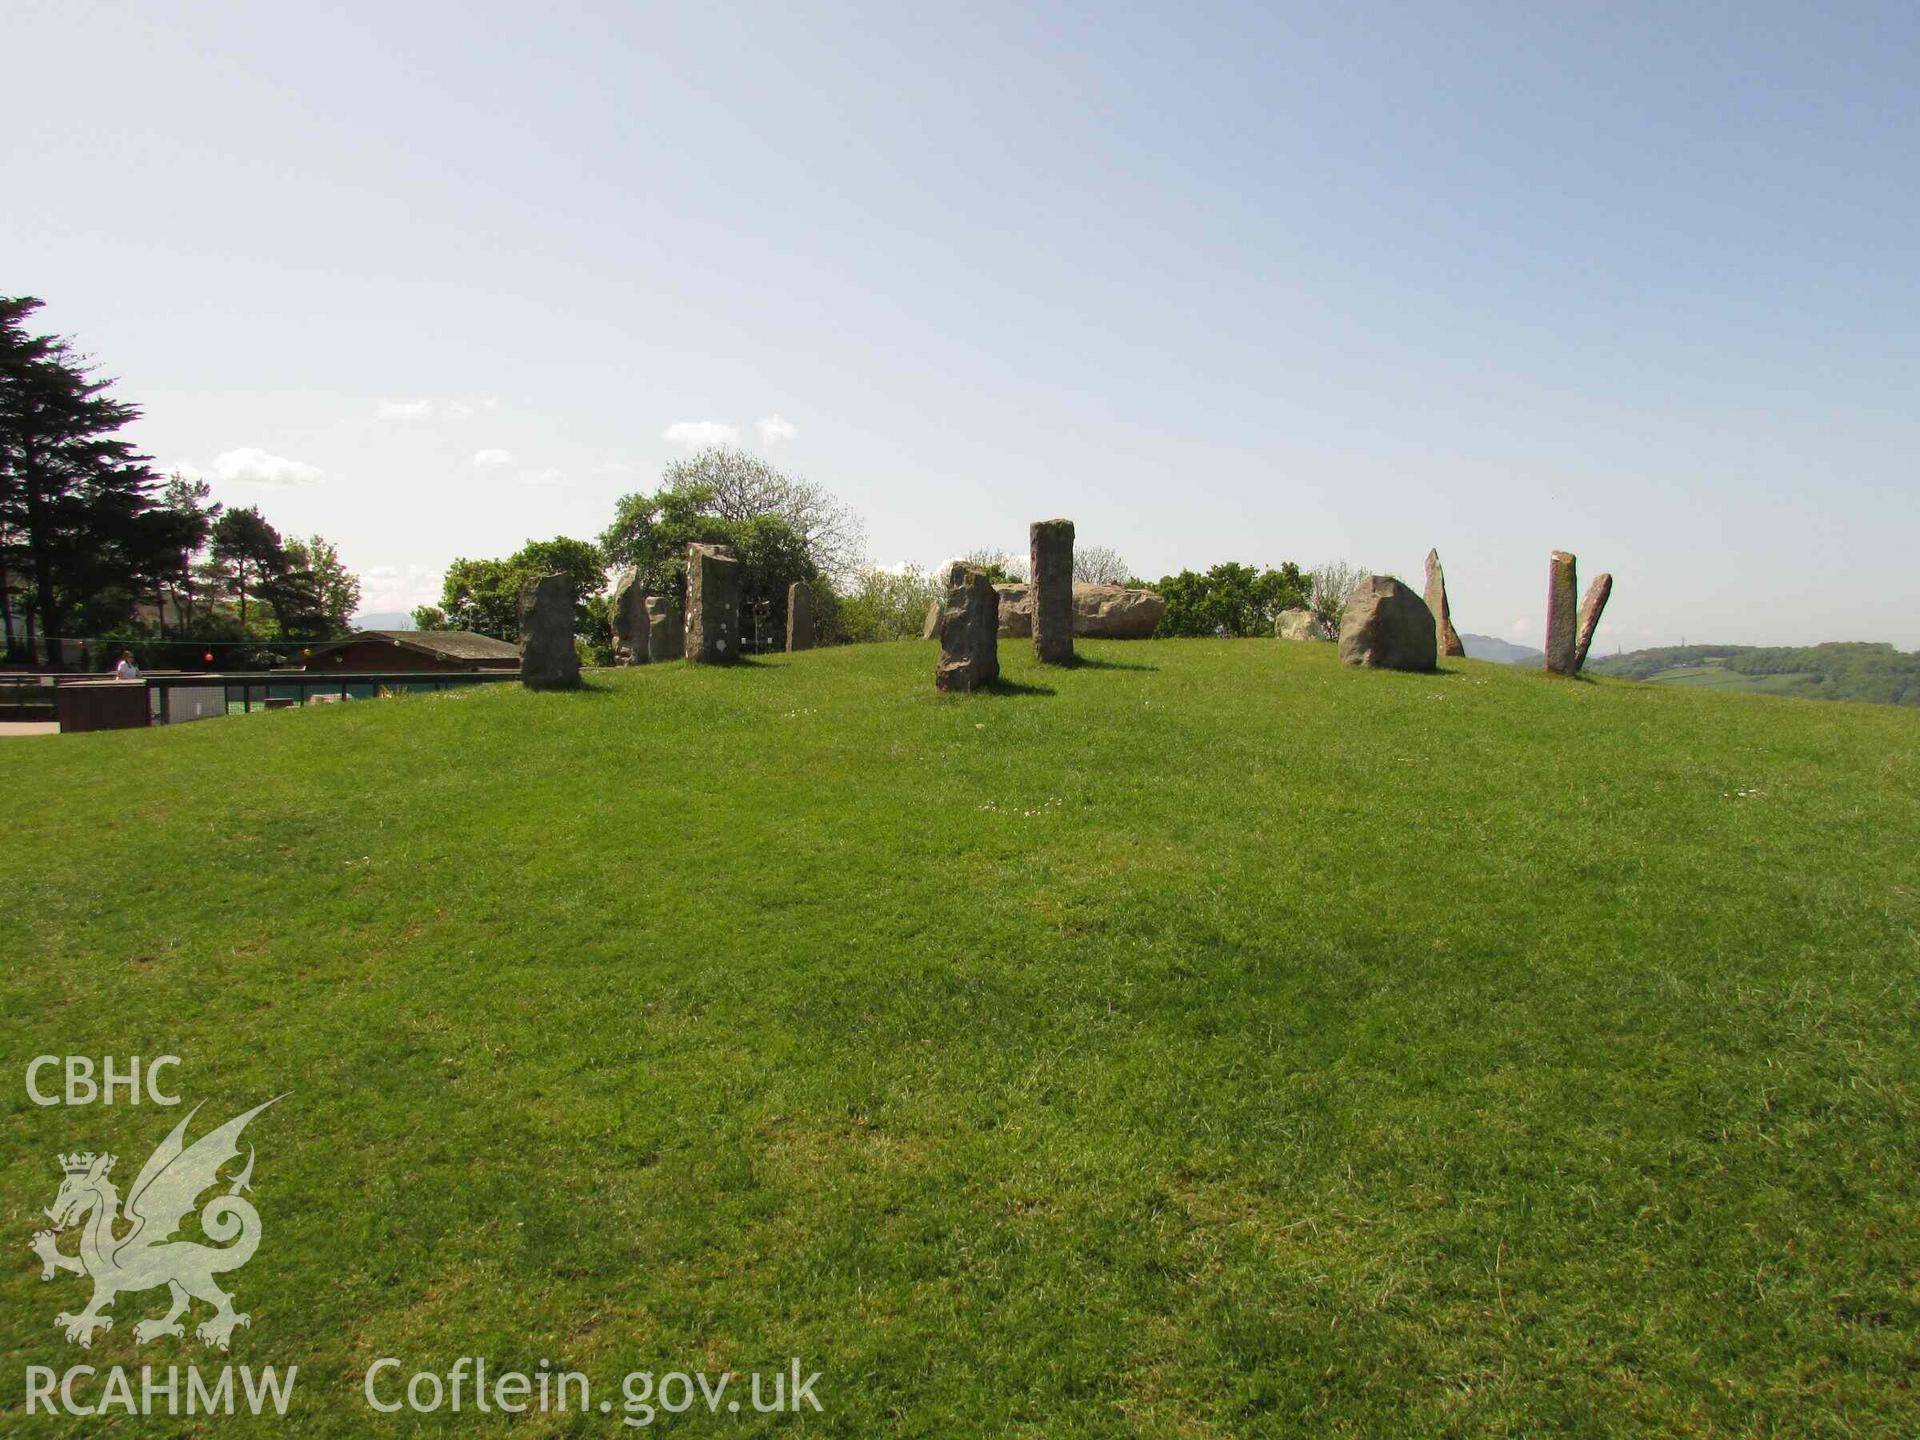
29,727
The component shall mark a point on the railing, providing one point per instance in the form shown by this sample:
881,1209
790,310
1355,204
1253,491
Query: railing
178,698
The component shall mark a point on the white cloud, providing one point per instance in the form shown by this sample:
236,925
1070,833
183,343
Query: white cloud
398,587
697,433
492,457
251,465
773,430
185,469
541,477
431,409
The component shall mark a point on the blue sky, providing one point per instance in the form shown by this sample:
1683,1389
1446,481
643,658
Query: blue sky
1248,283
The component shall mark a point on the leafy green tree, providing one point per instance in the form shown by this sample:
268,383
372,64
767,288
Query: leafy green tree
484,595
179,528
1001,567
72,495
739,486
885,605
431,617
650,533
316,596
246,557
1230,599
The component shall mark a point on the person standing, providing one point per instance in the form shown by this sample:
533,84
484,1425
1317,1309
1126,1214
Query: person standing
126,669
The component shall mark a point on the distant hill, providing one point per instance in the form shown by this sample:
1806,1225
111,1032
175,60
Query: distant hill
383,620
1876,674
1486,647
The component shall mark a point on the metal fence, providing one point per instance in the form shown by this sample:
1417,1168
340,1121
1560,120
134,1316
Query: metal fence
175,699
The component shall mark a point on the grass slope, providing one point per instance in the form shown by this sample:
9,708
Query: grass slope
1209,1040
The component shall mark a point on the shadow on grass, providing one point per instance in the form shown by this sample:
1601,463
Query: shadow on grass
1094,662
1014,689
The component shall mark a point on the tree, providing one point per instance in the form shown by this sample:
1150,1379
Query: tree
316,595
1230,599
484,595
1332,585
246,557
72,496
1000,567
431,617
1099,565
650,533
180,528
740,487
885,605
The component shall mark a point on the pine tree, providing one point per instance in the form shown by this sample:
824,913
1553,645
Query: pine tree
72,496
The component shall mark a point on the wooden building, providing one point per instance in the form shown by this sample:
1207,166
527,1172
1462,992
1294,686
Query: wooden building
433,651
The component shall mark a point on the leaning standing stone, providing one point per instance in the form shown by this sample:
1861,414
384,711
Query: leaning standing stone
713,604
1590,609
628,613
666,639
969,631
1444,634
1387,627
548,660
1562,637
799,616
1051,569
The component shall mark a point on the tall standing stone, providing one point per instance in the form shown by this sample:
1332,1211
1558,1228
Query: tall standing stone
1387,627
628,613
1590,609
1563,584
969,631
666,638
1445,636
548,660
799,616
713,604
1051,571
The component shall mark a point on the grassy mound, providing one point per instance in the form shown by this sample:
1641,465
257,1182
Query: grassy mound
1205,1040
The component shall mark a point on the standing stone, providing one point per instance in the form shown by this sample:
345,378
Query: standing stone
1051,567
1590,609
1562,636
628,613
1445,636
969,631
799,616
548,660
666,638
1016,609
1296,624
713,604
1387,627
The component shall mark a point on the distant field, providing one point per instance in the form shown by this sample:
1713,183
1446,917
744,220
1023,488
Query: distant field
1206,1041
1718,678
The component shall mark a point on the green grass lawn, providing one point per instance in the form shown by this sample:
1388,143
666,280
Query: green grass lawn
1205,1041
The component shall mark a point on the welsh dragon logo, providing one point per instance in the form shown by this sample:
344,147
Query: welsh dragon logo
143,1255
